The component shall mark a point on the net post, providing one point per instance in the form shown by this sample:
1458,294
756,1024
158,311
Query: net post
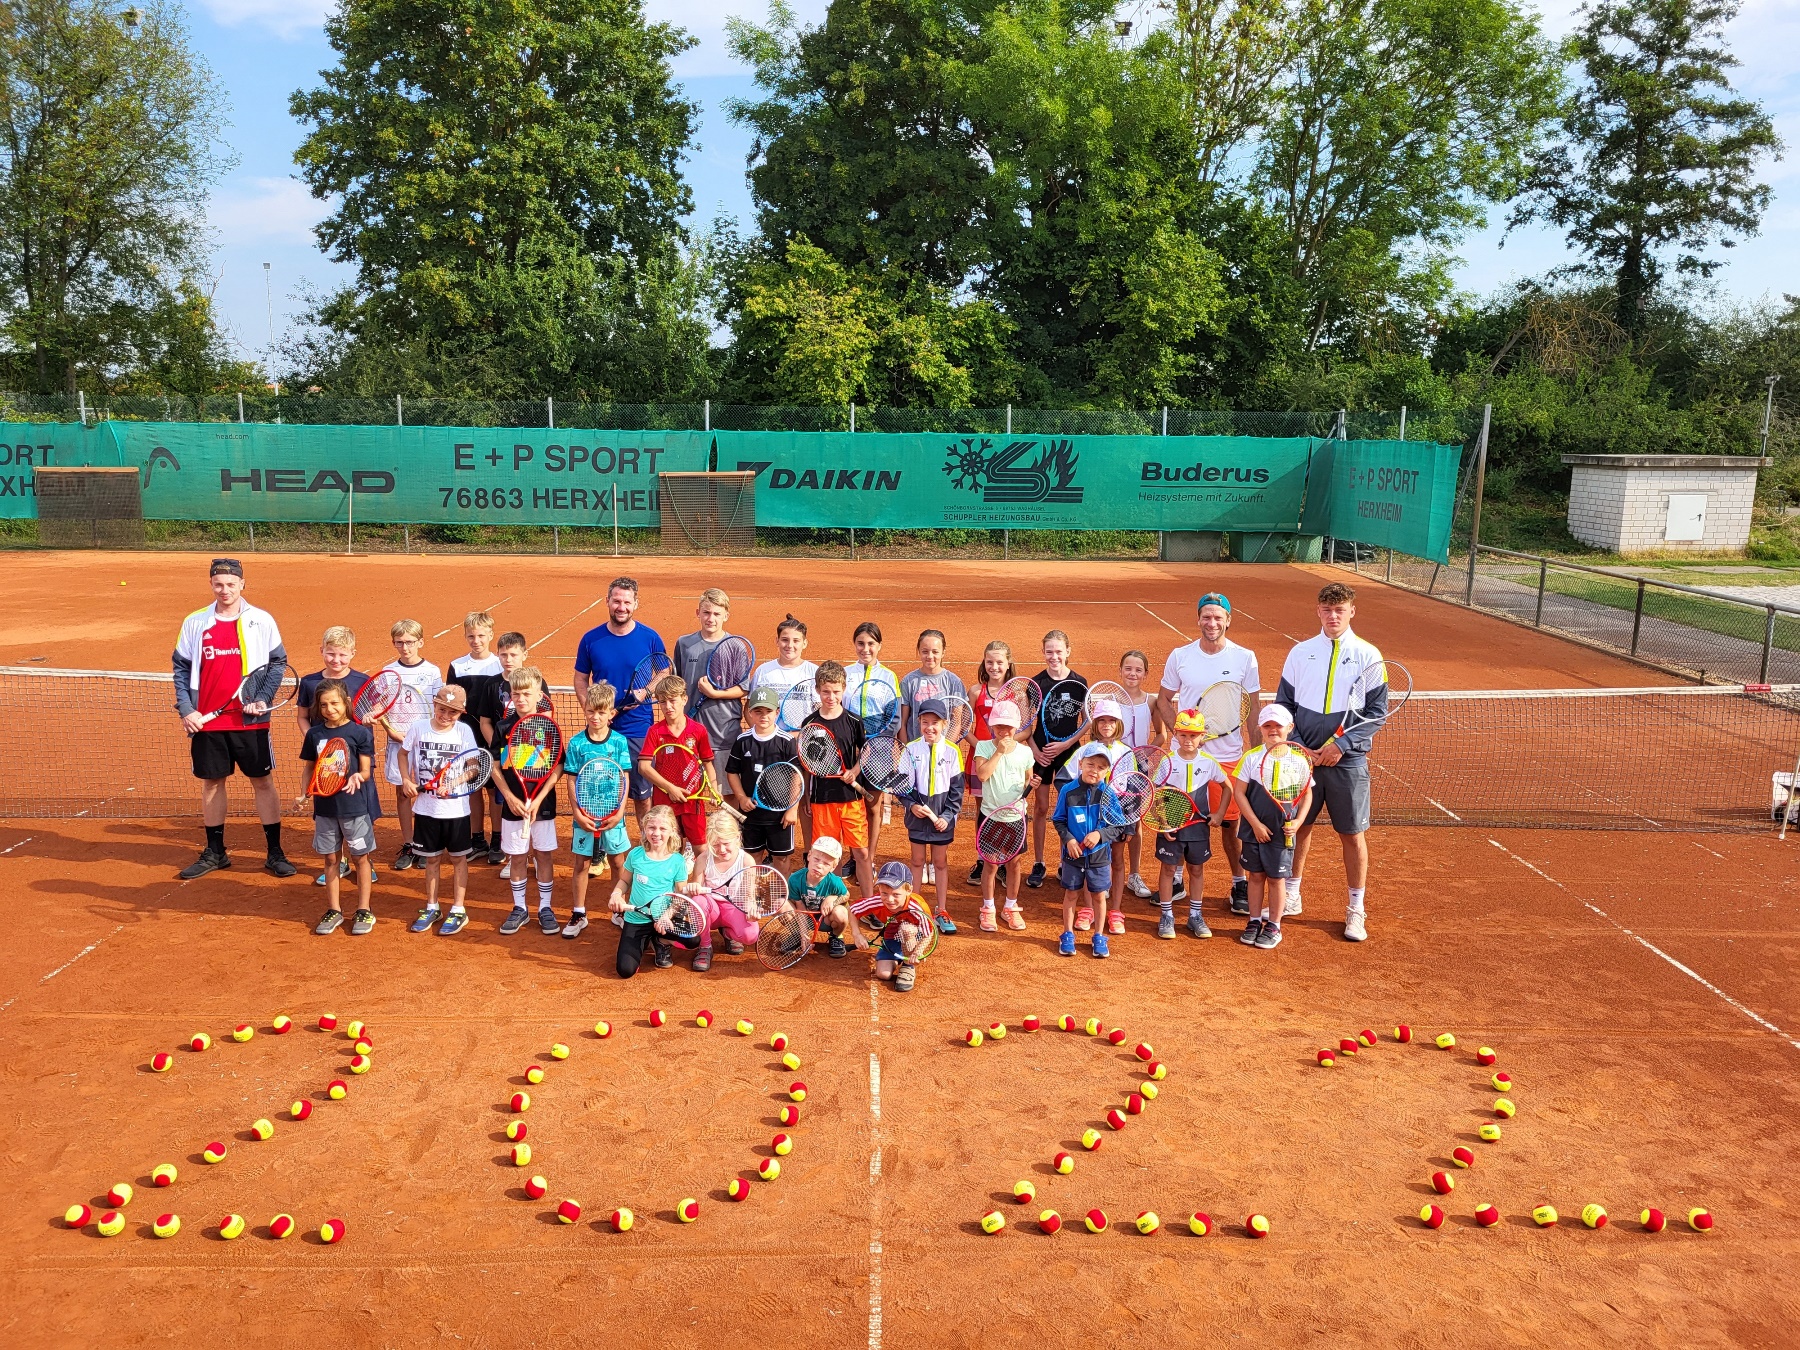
1637,616
1487,410
1543,576
1768,644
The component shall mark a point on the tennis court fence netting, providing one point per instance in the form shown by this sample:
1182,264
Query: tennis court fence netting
1712,757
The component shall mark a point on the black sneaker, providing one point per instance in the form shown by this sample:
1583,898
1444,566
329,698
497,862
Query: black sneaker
495,856
548,921
836,947
404,860
665,956
514,921
208,861
1036,878
477,844
1252,931
1240,896
276,864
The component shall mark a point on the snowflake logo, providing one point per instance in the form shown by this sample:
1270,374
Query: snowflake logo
966,462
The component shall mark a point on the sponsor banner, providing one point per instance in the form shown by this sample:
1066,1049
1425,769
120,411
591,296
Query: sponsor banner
1390,494
432,475
1021,482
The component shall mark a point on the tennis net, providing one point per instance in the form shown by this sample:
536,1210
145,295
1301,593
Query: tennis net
1683,758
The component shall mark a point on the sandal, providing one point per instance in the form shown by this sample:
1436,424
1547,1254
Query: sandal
1015,919
1084,919
987,920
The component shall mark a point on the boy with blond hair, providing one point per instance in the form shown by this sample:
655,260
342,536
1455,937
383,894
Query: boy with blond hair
440,824
471,671
720,711
675,727
421,681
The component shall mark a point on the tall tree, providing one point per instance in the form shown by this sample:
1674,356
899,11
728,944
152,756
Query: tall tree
1656,152
108,129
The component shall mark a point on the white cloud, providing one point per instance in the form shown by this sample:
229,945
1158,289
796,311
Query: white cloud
265,211
284,18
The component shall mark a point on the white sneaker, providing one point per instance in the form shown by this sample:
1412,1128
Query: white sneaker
617,920
927,875
1290,906
1135,884
1354,931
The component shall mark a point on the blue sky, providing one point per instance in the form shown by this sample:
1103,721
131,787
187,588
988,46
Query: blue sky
263,50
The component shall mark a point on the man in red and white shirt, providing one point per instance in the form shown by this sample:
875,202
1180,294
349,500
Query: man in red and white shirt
218,646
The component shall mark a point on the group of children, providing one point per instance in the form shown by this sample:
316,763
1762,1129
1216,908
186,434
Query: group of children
989,758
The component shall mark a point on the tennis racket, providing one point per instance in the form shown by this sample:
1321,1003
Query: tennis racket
1169,809
1029,698
1131,794
1368,686
779,786
260,692
876,704
819,751
758,892
784,939
467,773
1144,761
645,675
1285,773
681,766
408,707
1107,691
684,920
376,696
600,788
331,770
730,664
959,718
1064,711
918,934
533,750
1000,836
1222,707
800,702
881,771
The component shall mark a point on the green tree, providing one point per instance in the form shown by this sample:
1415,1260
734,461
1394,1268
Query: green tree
108,127
507,185
1655,151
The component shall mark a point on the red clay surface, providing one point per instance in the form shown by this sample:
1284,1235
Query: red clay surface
1638,1082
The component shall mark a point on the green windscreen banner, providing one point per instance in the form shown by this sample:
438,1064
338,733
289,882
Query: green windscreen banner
912,481
460,475
1390,494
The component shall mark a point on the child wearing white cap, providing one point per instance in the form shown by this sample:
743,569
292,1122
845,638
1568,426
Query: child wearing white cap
1268,857
1003,767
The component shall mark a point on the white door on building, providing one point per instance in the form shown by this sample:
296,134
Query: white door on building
1686,523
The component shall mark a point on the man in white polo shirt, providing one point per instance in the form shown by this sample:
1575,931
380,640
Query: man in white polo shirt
1187,674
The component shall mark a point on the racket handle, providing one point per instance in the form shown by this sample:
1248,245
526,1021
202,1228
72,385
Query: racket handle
887,809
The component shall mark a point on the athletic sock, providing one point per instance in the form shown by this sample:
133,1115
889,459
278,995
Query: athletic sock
1240,876
1265,917
544,894
272,834
215,838
518,890
1356,899
1168,906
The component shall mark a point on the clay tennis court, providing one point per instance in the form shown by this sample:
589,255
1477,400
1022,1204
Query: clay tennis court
1641,988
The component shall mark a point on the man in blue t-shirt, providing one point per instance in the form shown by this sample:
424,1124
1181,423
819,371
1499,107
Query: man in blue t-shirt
613,652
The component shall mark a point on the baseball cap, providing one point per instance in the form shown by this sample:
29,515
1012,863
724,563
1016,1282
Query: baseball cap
452,696
1093,750
934,706
764,698
1277,714
1213,598
1190,719
829,847
1005,714
231,565
894,874
1108,707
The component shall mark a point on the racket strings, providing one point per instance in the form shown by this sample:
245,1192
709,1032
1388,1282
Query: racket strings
779,786
1222,705
375,697
881,766
1029,698
730,663
800,702
468,772
819,750
599,788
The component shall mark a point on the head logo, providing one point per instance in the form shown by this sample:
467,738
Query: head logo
1023,473
160,455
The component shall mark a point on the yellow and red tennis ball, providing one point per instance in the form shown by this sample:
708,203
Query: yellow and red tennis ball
1199,1223
1653,1220
1256,1226
199,1041
161,1061
656,1017
1116,1118
163,1174
1148,1091
1489,1131
362,1047
327,1021
703,1018
1485,1056
1594,1216
537,1188
282,1225
973,1036
1462,1157
996,1031
1031,1023
1144,1052
1443,1183
242,1032
1095,1219
77,1216
790,1061
778,1041
1544,1216
768,1169
1446,1041
119,1196
231,1227
1431,1216
569,1211
621,1220
1403,1033
789,1115
1049,1221
1504,1108
110,1224
520,1102
1148,1222
301,1109
165,1225
603,1029
1066,1022
559,1051
1093,1026
1116,1036
534,1074
332,1230
337,1089
738,1188
1327,1058
1347,1046
1700,1220
1487,1215
1064,1163
797,1091
1023,1191
282,1024
1157,1070
521,1155
1134,1104
688,1210
1366,1036
353,1032
1090,1139
517,1130
993,1221
360,1063
745,1028
1502,1082
263,1129
213,1152
782,1144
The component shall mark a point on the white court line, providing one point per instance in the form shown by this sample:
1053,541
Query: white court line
874,1172
1159,618
571,619
458,624
1692,974
1704,849
78,955
21,844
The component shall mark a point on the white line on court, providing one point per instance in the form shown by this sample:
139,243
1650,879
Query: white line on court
458,624
78,955
1159,618
874,1172
1648,946
1704,849
21,844
571,619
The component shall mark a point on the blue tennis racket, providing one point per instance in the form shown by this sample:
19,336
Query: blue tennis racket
643,679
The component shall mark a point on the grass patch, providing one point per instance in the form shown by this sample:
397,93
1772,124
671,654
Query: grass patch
1693,611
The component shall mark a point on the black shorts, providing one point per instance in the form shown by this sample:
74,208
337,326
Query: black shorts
218,754
1178,851
764,833
432,836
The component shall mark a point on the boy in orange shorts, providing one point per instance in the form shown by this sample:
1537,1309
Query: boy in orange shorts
838,811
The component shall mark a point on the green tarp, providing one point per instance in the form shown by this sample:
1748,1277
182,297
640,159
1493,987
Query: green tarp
1391,494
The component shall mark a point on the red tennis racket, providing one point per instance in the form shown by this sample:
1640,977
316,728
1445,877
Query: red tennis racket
376,696
331,770
467,773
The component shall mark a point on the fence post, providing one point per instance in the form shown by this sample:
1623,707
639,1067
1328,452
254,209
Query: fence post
615,507
550,411
406,537
1403,422
253,536
1637,616
1165,430
350,519
556,540
1543,576
706,415
1768,645
853,543
240,407
1390,566
1006,544
852,419
1487,410
399,412
1009,419
81,401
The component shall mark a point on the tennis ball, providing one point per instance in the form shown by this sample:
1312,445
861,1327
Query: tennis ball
1366,1036
76,1216
1700,1220
199,1041
164,1173
1092,1026
1487,1215
688,1210
559,1051
790,1061
521,1102
1489,1132
1256,1226
1504,1108
656,1017
1134,1105
231,1227
362,1047
110,1224
516,1130
161,1061
166,1225
243,1032
703,1019
521,1155
282,1024
1544,1216
1116,1036
603,1029
1594,1216
1157,1070
1326,1059
282,1225
1144,1052
1443,1183
973,1036
778,1041
1023,1191
1653,1220
745,1028
301,1109
621,1220
1148,1222
993,1221
353,1032
996,1031
782,1145
263,1129
534,1074
537,1188
738,1188
1116,1118
569,1211
1199,1223
1485,1056
119,1196
1031,1024
1446,1041
331,1231
1463,1157
327,1021
360,1063
768,1169
789,1115
1431,1216
214,1152
1148,1091
1066,1023
1502,1082
1090,1139
797,1091
1403,1033
337,1089
1095,1219
1049,1221
1346,1046
1064,1163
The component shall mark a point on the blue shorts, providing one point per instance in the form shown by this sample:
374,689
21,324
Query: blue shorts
1272,859
640,785
890,950
1095,877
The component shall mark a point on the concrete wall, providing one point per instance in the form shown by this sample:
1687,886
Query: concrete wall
1625,508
